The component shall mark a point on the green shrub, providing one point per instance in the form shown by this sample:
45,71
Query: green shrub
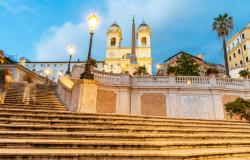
243,73
212,71
171,69
238,107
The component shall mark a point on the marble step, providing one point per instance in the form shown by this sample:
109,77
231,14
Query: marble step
157,127
90,135
34,107
111,117
91,154
119,129
118,144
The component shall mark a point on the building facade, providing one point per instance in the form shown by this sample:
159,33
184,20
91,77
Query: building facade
238,52
125,59
199,59
4,59
54,69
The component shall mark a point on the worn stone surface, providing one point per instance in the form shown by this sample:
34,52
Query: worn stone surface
153,104
106,101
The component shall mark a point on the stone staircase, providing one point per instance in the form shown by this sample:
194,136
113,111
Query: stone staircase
45,130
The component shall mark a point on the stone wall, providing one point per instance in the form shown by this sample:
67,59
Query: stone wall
106,101
174,97
153,104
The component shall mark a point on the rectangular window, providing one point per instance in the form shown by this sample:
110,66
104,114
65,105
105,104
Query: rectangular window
34,65
246,59
230,58
243,36
245,47
54,65
238,51
41,65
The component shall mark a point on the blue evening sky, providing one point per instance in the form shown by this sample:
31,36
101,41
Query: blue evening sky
41,30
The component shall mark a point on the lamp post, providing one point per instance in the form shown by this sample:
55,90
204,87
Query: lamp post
71,50
93,21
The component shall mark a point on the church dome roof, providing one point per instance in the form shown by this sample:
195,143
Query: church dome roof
114,28
143,27
115,25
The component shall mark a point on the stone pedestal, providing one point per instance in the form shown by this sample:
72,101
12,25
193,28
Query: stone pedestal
87,96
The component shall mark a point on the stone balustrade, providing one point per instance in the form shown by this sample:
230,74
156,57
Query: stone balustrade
164,81
19,72
179,96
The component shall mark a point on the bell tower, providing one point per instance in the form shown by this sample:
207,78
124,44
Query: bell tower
114,36
144,35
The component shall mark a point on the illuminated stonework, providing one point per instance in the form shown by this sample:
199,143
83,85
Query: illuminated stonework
118,58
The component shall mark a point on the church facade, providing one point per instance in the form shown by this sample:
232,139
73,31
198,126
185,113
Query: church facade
126,59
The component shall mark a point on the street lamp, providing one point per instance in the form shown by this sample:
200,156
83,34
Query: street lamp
93,21
71,50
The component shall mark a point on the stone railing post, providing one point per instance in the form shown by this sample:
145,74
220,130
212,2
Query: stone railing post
246,83
125,79
171,81
212,82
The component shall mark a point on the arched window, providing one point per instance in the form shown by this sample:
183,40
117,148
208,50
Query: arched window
113,41
143,41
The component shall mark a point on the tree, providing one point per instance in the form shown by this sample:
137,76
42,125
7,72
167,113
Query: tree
140,71
223,25
212,71
186,66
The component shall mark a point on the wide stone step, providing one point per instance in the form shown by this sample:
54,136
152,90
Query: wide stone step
174,154
155,127
118,136
56,108
7,126
117,144
18,106
110,117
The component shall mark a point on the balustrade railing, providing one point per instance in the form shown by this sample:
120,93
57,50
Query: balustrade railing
229,82
149,81
107,78
192,80
185,81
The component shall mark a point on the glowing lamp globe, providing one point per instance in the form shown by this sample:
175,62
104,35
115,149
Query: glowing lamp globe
71,49
93,21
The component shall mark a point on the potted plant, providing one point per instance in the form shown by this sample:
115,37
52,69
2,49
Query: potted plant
171,70
244,74
212,72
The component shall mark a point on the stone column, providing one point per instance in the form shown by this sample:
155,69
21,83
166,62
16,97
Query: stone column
87,96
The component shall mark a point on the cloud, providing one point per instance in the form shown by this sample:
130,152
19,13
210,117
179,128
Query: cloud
157,13
15,7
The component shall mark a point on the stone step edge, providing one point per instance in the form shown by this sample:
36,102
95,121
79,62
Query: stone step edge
97,128
180,153
153,118
131,124
122,142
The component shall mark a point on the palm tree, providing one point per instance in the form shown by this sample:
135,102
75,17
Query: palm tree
223,25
